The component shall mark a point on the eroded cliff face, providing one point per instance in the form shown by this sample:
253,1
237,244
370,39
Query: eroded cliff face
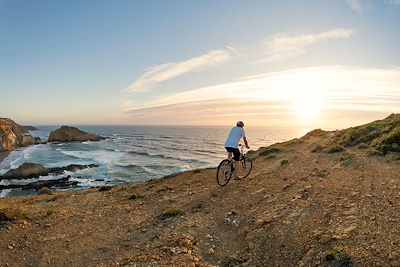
10,135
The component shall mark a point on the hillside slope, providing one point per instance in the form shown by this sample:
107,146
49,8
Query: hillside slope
320,200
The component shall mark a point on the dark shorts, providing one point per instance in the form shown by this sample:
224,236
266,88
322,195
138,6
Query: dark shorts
235,151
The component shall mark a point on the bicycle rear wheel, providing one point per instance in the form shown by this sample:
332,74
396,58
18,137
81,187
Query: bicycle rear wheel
224,172
247,165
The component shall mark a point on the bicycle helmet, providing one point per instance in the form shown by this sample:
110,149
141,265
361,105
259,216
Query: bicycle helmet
240,124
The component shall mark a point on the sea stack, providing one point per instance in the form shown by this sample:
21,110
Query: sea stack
72,134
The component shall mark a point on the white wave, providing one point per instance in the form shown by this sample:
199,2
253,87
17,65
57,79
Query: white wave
14,160
31,151
50,177
4,182
87,182
19,181
102,156
185,167
4,192
149,170
184,158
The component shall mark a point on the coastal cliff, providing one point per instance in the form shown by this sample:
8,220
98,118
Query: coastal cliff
10,135
329,198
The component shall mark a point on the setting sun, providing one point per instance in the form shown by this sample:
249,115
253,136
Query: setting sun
306,109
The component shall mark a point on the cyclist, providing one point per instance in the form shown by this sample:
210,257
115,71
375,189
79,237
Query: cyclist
231,146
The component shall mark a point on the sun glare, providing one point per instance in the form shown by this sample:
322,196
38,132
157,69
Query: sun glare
307,110
307,99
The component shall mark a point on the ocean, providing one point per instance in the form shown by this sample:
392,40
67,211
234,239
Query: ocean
132,154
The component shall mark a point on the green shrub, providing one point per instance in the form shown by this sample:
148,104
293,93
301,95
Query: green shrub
369,132
50,212
170,213
357,135
284,162
269,152
11,215
105,188
135,196
346,156
389,142
317,132
363,146
320,173
374,152
333,148
165,189
337,257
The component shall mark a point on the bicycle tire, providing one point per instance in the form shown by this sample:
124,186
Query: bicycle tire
224,173
247,165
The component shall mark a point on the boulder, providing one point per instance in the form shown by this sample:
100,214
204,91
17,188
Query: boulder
32,170
64,182
26,170
10,135
72,134
28,140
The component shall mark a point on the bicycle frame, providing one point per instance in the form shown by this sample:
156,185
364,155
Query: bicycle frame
242,153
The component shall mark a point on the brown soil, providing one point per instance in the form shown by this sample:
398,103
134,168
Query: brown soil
297,208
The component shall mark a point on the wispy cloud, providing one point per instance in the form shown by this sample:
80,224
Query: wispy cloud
360,6
161,73
392,2
275,98
355,5
283,46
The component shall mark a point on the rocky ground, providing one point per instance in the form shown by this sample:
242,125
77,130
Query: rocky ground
3,155
308,202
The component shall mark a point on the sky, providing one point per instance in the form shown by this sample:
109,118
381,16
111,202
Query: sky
322,64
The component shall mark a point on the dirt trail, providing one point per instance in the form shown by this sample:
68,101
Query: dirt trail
301,206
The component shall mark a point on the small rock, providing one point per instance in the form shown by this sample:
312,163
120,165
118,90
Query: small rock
210,251
285,187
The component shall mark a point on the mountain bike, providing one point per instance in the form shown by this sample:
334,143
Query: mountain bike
226,168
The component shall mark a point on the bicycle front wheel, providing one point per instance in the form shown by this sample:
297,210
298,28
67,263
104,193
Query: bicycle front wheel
224,172
247,165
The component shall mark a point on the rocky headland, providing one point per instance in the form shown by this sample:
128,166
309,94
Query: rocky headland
12,137
329,198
